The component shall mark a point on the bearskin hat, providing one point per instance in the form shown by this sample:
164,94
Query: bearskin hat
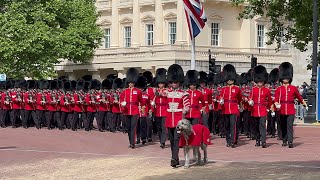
229,72
2,85
274,75
286,71
132,75
86,86
67,85
210,78
44,84
249,76
260,74
161,76
175,73
243,78
73,85
112,77
80,84
31,84
87,77
60,84
218,78
203,77
141,83
95,84
53,84
117,83
192,78
148,75
106,84
63,78
124,84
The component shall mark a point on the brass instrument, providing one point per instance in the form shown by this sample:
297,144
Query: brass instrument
66,99
8,98
43,99
116,96
80,98
19,99
92,98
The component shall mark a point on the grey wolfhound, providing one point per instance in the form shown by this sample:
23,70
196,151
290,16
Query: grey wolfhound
193,137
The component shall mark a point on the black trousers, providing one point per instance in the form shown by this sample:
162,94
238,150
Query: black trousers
141,128
161,128
260,128
271,124
279,124
116,120
287,127
231,128
150,122
40,118
251,124
49,118
108,119
15,116
88,121
131,121
205,119
4,114
219,117
174,138
212,125
75,120
65,117
56,118
101,119
124,125
246,125
193,121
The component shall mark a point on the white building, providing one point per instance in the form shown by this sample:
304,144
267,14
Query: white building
149,34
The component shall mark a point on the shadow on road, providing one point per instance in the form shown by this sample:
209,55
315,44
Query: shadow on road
9,147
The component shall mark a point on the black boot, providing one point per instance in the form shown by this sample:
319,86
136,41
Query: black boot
284,143
264,145
174,163
290,145
257,143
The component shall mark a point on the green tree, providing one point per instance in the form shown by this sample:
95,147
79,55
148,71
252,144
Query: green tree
294,17
37,34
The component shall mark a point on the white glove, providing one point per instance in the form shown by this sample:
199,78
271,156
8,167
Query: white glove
273,114
240,109
222,101
278,106
123,103
214,100
307,108
210,106
251,103
152,103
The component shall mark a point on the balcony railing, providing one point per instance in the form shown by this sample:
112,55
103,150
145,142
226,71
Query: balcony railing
103,5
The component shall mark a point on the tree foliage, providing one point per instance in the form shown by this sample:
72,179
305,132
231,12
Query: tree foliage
37,34
292,17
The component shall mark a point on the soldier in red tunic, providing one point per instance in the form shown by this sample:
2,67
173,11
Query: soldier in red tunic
197,105
207,100
230,99
178,105
104,107
131,99
115,105
260,100
274,116
284,101
218,118
150,91
160,104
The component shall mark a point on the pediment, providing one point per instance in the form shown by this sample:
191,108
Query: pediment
170,15
262,19
126,20
148,18
104,23
215,17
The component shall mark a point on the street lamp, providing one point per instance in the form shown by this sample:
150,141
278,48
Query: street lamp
311,93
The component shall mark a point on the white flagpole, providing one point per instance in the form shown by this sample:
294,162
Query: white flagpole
193,54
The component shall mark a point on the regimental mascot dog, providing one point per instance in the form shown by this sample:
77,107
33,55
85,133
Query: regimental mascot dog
193,137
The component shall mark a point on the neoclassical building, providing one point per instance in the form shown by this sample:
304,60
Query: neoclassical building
150,34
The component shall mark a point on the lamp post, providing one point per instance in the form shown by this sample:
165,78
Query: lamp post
311,93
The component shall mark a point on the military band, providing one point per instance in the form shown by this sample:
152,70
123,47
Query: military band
255,104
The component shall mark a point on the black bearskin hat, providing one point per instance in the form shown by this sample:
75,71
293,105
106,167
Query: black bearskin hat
243,78
161,76
106,84
117,83
95,84
80,84
192,78
124,84
260,74
44,84
274,75
218,78
86,86
2,85
73,85
87,77
132,75
67,85
112,77
53,84
210,79
141,83
249,76
229,72
60,84
286,71
175,73
203,77
148,75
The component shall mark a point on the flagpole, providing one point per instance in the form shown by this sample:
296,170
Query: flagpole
193,54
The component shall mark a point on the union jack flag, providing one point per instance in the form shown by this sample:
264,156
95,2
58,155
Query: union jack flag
196,17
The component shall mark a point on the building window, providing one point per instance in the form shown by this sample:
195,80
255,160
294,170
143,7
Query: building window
127,36
107,38
149,34
172,32
260,36
215,29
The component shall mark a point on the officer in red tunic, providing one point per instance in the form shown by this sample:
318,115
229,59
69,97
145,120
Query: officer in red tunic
230,99
160,104
207,99
77,105
260,100
197,105
274,117
284,101
131,100
17,101
52,103
92,102
178,106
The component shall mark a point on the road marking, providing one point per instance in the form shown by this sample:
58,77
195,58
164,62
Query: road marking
154,157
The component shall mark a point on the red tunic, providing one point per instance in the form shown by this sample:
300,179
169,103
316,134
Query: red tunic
101,97
200,134
14,98
150,92
161,104
196,102
177,100
5,106
262,101
231,96
41,101
115,102
27,97
52,102
91,100
215,99
77,106
285,96
133,98
207,98
146,102
65,103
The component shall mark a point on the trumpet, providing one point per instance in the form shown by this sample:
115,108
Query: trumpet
93,99
66,99
8,98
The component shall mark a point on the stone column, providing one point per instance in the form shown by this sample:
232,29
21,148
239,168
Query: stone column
135,31
158,23
115,25
182,33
